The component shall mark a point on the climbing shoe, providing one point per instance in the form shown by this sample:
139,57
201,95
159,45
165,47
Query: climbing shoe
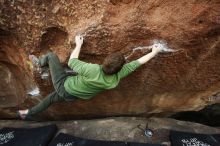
22,114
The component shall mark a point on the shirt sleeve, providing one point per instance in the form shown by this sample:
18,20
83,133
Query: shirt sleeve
128,68
81,67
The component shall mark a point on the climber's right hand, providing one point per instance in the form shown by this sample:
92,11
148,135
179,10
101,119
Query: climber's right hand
79,40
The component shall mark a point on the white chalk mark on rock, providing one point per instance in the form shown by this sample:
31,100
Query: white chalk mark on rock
34,92
156,43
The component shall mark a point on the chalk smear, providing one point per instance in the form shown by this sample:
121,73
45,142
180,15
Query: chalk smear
34,92
156,43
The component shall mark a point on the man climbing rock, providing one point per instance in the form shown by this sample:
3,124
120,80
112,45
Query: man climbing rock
90,80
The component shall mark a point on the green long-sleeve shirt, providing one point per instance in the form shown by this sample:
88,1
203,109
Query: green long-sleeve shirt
91,79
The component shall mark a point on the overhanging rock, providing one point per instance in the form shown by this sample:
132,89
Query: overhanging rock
172,82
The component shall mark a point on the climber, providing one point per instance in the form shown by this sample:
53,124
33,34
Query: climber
90,80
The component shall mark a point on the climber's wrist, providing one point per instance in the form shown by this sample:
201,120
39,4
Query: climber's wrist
154,53
78,46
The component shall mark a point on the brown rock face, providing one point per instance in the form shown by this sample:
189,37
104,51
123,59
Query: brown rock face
171,82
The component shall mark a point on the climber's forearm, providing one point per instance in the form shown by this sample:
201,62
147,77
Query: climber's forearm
147,57
76,51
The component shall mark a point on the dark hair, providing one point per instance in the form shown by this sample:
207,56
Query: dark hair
113,63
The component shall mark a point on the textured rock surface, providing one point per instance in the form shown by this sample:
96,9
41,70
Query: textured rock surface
121,129
185,80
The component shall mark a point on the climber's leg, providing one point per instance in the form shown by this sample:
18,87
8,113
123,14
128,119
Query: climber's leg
45,103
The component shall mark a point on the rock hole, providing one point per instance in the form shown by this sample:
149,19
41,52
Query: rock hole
200,21
52,37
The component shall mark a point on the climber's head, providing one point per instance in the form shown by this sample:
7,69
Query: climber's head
113,63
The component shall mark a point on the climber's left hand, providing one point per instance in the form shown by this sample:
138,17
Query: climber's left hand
79,40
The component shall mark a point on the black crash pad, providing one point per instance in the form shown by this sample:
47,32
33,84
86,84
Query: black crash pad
217,137
40,136
65,139
193,139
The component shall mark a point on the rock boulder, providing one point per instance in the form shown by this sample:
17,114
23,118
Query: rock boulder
171,82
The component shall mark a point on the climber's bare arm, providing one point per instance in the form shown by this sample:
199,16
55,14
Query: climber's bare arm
76,51
147,57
